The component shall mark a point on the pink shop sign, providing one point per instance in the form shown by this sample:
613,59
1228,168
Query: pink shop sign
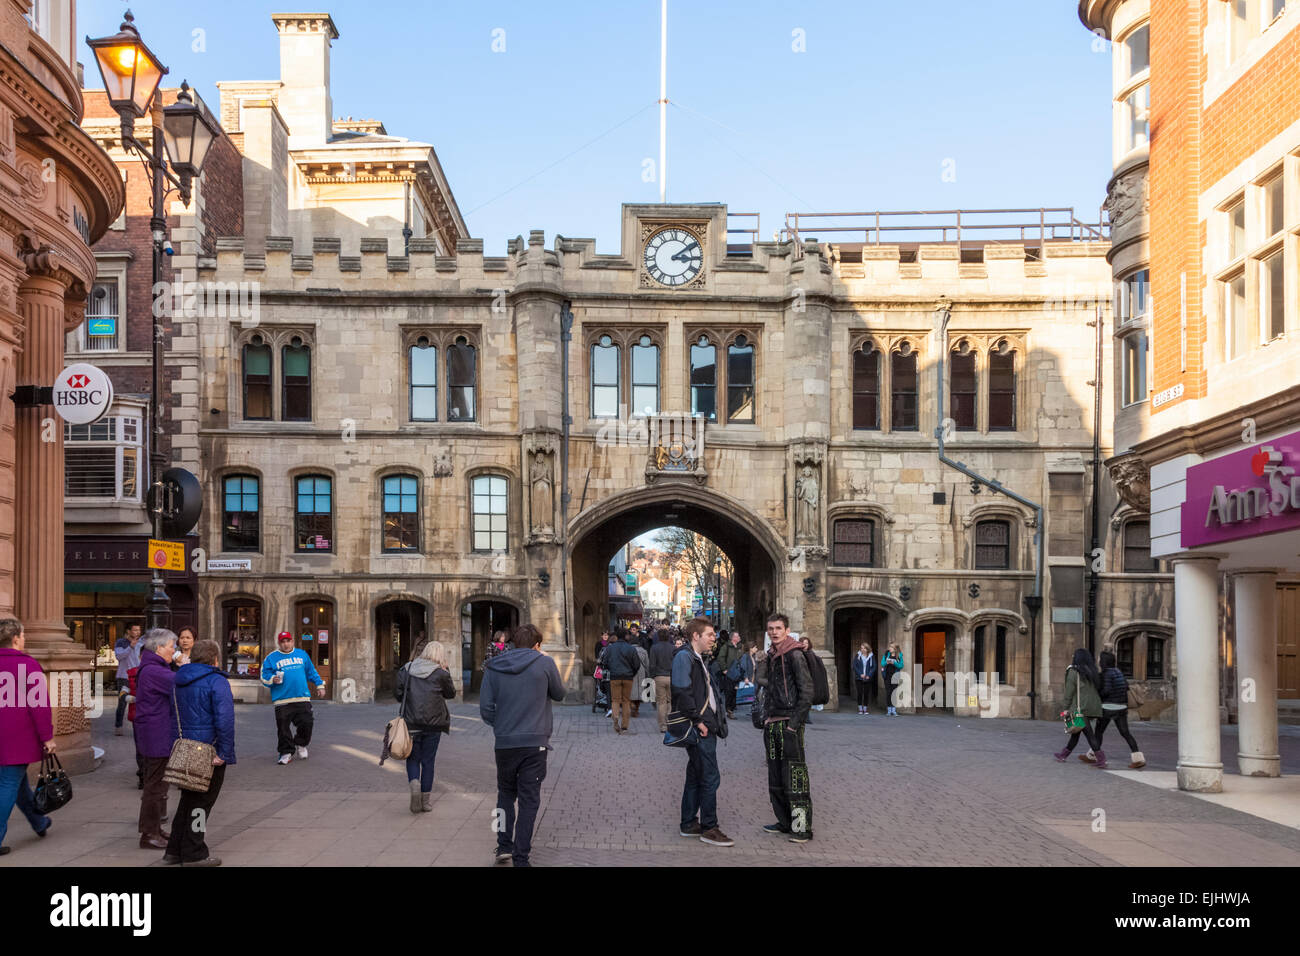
1248,493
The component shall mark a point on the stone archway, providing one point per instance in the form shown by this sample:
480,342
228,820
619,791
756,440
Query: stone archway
754,548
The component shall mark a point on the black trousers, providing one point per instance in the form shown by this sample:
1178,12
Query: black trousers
864,691
787,777
153,801
190,825
1093,740
520,772
729,692
299,735
1120,719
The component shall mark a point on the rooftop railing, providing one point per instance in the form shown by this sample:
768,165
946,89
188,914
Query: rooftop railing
973,227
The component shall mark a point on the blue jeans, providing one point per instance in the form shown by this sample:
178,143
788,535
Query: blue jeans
15,789
424,748
700,795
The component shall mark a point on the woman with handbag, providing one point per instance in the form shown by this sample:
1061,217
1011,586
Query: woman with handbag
1082,705
26,731
424,686
205,709
1115,702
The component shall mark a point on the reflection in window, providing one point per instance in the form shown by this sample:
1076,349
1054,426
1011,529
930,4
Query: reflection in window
740,381
704,379
604,378
645,377
461,380
866,389
297,382
257,381
424,381
241,512
313,514
401,513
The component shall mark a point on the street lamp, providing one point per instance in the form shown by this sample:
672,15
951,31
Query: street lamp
131,75
717,587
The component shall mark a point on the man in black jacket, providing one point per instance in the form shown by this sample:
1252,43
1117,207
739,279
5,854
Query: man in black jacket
788,693
695,697
661,671
623,662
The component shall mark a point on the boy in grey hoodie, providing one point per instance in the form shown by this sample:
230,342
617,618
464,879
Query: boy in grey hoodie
515,701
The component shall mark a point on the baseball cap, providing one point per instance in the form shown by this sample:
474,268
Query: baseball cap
284,636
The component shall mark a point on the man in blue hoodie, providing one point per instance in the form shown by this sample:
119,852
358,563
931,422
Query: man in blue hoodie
286,672
515,701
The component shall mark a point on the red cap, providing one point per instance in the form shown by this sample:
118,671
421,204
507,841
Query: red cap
284,636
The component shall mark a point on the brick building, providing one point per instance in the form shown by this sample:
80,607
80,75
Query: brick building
1205,200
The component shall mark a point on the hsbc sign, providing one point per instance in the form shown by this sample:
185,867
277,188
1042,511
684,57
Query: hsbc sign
82,394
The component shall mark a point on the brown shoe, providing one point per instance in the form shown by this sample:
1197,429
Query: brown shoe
152,841
692,829
716,837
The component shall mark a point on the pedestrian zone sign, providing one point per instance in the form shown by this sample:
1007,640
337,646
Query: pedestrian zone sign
166,555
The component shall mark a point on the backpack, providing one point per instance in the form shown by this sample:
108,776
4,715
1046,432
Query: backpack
821,684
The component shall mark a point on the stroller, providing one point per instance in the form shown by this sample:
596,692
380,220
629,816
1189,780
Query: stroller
602,695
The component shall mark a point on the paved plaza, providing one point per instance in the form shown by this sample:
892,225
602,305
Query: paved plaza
913,790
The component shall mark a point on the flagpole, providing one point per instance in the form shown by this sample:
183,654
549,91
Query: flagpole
663,100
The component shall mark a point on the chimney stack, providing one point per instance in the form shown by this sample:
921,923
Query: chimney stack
304,97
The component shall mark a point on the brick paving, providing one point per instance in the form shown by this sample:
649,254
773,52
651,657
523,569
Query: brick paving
913,790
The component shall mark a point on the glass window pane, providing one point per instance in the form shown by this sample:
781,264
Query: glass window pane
1273,208
257,360
1237,230
1002,391
1272,295
1138,45
965,393
1234,318
604,401
297,361
460,365
604,365
461,404
645,400
703,381
424,365
645,364
903,392
424,404
497,485
1137,108
866,390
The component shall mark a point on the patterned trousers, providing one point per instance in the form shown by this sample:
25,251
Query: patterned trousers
787,777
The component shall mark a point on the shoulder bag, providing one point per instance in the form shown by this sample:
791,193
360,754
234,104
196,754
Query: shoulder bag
1074,720
681,732
397,738
53,788
190,764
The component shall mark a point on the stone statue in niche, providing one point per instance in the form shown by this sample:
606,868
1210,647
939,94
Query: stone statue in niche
806,498
543,494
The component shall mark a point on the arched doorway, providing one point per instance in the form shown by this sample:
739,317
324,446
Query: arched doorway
314,634
400,628
851,626
479,620
934,651
747,540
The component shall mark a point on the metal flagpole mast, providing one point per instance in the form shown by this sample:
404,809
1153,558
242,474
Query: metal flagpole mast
663,100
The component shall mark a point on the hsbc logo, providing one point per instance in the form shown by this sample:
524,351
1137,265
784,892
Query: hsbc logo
82,394
78,381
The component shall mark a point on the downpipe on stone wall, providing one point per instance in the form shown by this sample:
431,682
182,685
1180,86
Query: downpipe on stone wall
566,336
1034,601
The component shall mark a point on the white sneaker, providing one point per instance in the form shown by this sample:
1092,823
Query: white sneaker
301,753
284,759
608,712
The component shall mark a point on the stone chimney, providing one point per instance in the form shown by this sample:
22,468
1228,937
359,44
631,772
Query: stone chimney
304,98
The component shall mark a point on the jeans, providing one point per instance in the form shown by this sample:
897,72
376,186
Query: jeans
621,692
864,691
1093,740
700,794
153,801
300,716
1120,719
15,790
520,772
189,828
663,700
424,749
788,787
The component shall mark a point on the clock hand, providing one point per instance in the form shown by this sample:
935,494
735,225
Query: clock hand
685,254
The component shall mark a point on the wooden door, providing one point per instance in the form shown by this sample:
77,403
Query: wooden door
315,635
1288,641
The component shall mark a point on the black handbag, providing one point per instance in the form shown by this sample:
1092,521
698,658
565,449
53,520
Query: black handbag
756,716
681,732
53,788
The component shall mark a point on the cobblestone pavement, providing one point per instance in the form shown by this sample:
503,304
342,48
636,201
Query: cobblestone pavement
913,790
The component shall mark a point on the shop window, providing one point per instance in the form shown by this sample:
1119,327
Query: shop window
314,516
257,381
965,390
1002,389
242,647
401,513
490,513
866,389
604,378
103,460
462,379
296,357
645,377
854,542
424,380
704,379
993,545
903,401
241,512
740,381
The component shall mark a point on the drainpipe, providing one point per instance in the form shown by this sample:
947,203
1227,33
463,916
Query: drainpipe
1034,601
1095,504
566,336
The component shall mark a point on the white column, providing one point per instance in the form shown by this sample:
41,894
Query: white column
1256,621
1196,612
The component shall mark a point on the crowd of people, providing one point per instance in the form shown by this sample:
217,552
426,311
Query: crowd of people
171,688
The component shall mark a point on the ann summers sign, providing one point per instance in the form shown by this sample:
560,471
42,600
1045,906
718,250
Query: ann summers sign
1247,493
82,394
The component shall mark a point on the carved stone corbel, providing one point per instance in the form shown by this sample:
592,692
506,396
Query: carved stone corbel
1132,480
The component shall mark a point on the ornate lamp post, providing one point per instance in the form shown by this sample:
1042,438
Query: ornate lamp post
717,587
131,75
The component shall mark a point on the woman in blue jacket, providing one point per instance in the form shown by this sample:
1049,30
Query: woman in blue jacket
206,710
864,673
889,666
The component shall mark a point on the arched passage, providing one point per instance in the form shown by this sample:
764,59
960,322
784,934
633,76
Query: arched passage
751,545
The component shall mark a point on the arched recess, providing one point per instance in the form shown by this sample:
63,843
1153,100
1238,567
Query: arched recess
481,614
857,617
755,549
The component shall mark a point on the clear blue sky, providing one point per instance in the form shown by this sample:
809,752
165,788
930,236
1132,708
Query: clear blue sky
1011,91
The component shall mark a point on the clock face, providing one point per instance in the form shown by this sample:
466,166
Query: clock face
673,257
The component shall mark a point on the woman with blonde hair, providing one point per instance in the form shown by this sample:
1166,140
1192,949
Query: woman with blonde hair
889,666
424,686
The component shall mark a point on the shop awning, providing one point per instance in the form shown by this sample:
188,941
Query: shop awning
116,587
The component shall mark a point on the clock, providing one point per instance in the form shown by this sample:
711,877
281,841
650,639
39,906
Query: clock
673,256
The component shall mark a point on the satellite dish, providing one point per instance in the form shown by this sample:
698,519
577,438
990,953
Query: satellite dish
182,502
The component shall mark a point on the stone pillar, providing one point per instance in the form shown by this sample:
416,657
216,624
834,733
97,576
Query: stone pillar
964,663
38,532
1196,610
1256,623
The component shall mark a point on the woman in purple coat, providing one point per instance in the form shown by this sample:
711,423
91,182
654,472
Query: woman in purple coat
26,728
155,732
